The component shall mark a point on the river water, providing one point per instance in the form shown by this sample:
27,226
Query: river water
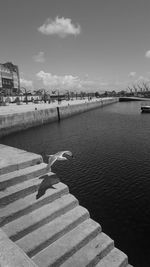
110,171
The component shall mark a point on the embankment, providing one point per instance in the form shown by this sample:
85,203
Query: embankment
42,224
10,123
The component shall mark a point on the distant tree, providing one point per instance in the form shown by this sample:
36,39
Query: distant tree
106,93
113,93
97,94
26,92
7,100
146,87
45,95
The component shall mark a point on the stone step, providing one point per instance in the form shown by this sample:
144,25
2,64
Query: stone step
12,178
63,248
115,258
47,234
11,255
12,159
91,253
17,191
29,203
37,218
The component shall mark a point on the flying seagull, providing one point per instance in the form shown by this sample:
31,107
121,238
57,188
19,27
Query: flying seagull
57,156
48,180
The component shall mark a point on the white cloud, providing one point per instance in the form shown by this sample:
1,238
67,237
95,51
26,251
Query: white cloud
54,80
60,26
69,82
39,57
26,83
141,78
147,54
132,74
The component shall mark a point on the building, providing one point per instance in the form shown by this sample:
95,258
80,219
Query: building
9,79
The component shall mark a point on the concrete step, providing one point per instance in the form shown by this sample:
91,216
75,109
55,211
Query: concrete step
47,234
115,258
91,253
17,191
19,176
11,255
37,218
63,248
29,203
12,159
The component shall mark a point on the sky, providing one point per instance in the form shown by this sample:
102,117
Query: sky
88,45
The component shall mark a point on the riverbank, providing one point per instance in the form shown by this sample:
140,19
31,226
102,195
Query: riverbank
51,229
15,118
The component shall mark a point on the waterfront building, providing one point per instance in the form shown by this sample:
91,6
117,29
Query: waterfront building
9,79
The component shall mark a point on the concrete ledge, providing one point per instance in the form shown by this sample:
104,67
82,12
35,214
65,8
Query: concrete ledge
37,218
113,259
12,178
29,203
12,159
39,239
91,253
46,222
13,122
11,255
63,248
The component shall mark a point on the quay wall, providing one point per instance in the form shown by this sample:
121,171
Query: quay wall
20,121
67,111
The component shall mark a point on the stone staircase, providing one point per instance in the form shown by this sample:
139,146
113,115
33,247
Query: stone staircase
53,230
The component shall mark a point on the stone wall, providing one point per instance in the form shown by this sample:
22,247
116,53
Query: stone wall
20,121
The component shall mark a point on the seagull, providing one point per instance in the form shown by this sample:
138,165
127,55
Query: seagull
48,180
57,156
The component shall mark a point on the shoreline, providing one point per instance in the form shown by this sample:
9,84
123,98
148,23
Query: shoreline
20,117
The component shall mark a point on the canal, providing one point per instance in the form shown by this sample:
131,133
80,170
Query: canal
110,171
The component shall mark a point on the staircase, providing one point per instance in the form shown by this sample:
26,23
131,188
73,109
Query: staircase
53,230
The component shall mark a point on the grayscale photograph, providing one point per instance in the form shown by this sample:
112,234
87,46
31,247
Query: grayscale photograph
74,133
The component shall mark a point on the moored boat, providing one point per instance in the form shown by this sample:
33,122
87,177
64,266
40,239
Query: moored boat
145,109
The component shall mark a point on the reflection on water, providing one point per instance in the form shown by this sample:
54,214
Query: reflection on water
110,173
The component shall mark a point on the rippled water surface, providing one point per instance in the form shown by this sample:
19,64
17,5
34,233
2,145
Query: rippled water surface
110,173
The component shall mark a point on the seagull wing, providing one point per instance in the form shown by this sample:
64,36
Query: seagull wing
51,160
57,156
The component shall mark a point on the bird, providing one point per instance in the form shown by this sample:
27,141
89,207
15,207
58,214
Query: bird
50,179
58,156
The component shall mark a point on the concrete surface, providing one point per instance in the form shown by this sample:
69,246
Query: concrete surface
43,225
11,178
14,109
12,159
16,118
11,255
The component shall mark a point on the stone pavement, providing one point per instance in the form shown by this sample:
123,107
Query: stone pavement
13,108
42,224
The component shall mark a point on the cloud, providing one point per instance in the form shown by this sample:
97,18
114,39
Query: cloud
26,83
143,79
132,74
70,82
54,80
59,26
39,57
147,54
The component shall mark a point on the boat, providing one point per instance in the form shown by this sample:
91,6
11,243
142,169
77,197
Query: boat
145,109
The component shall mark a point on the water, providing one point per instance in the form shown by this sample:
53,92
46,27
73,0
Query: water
110,174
